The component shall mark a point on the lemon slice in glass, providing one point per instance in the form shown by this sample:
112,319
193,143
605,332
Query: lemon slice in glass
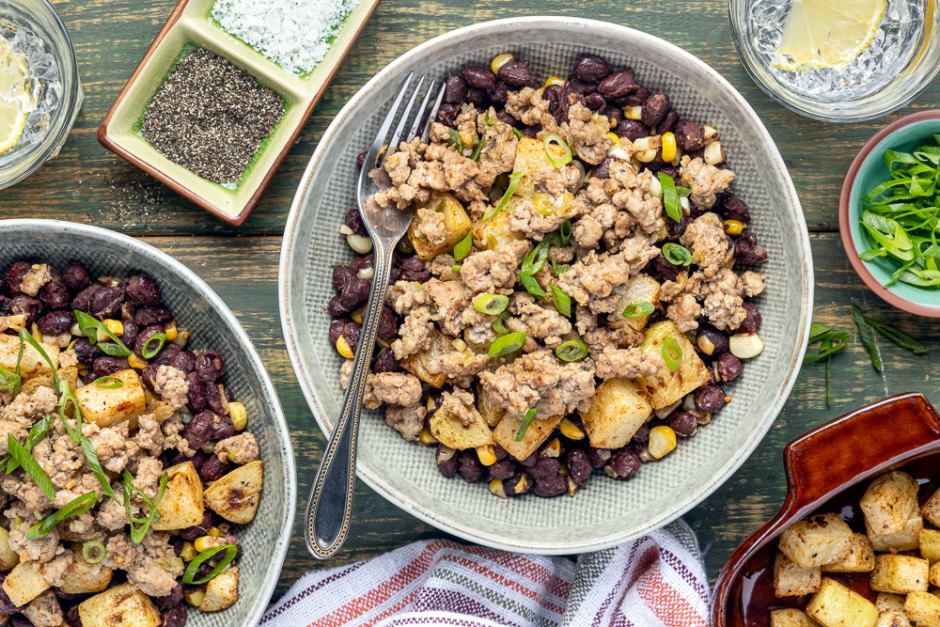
16,99
827,33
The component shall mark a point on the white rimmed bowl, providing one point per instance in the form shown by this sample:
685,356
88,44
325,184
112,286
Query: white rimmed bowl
606,512
199,309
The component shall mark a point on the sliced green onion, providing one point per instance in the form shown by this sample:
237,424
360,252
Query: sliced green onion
479,149
138,533
833,341
89,449
513,182
670,197
564,232
456,268
455,137
562,301
572,350
677,255
76,507
499,325
109,383
558,269
491,304
31,466
150,354
532,286
462,249
486,118
68,396
638,310
529,417
26,337
506,344
517,132
672,353
816,331
230,551
554,137
867,340
534,261
93,552
19,362
8,380
36,434
898,337
90,327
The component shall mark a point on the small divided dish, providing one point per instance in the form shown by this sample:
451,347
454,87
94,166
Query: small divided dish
190,25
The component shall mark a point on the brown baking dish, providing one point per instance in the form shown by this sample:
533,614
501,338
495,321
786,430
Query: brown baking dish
828,470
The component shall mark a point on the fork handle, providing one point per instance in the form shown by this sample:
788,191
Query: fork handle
329,509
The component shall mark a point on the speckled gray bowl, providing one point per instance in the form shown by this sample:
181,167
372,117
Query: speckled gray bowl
606,512
213,325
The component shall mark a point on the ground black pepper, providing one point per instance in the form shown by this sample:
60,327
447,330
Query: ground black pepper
210,117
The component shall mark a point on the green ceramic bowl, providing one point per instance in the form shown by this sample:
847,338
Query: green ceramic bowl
868,171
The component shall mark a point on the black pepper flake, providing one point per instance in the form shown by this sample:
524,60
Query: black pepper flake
210,117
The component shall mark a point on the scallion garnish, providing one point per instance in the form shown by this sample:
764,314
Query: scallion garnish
513,182
26,337
19,362
455,137
148,353
8,380
558,268
526,422
491,304
532,286
76,507
90,327
93,552
517,132
572,350
565,158
638,310
672,353
677,255
462,249
670,197
231,551
506,344
31,466
109,383
456,268
564,232
562,301
92,457
534,261
68,396
36,434
486,118
499,325
138,533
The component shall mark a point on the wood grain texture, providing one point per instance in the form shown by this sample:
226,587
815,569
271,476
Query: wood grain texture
89,184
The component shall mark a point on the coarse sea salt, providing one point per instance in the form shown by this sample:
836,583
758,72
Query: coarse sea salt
295,34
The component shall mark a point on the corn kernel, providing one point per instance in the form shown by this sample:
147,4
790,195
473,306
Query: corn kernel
733,227
181,338
633,113
486,455
522,486
357,315
149,397
114,326
497,489
662,441
614,138
239,415
342,347
554,80
646,156
189,552
711,135
427,438
195,596
136,362
669,147
233,454
499,61
714,154
204,543
552,449
34,331
571,430
171,331
215,532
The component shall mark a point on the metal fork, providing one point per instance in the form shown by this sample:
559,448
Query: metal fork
330,506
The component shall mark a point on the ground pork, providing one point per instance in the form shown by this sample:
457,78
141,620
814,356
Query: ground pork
238,449
706,237
750,284
415,333
558,187
147,477
396,388
34,278
628,364
44,611
452,300
600,338
431,225
41,550
68,359
406,296
499,150
684,312
408,421
368,396
525,219
81,528
442,267
585,319
539,322
599,280
30,406
542,381
460,404
170,383
54,570
85,482
459,366
587,134
19,485
527,106
149,436
634,197
111,514
705,181
113,445
60,458
173,429
589,229
404,176
494,271
723,306
138,561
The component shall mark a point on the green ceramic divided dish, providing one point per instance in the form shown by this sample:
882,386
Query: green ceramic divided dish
867,172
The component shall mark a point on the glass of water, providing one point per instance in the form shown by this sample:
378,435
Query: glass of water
48,90
901,60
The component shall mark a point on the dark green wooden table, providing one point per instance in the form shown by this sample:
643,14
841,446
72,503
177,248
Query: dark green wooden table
88,184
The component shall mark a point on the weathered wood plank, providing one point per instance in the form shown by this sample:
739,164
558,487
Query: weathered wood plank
89,184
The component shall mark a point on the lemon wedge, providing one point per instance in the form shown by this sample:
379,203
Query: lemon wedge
827,34
16,98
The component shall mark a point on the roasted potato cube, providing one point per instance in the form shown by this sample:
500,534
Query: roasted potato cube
929,543
24,583
888,502
235,496
106,407
892,619
619,408
182,504
456,222
792,581
933,575
861,557
530,156
491,413
14,323
930,510
668,386
121,606
450,432
85,578
899,574
923,609
45,380
908,539
221,592
791,618
495,232
32,365
837,606
817,540
8,558
887,602
535,435
418,363
641,288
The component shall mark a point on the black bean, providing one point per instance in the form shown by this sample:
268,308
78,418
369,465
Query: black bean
516,73
602,169
15,276
18,620
598,456
106,366
532,132
72,617
552,94
354,221
351,332
231,539
210,366
747,250
613,115
552,486
595,102
76,277
544,468
623,464
448,467
479,77
355,294
6,605
582,88
143,339
447,114
82,300
191,533
476,97
152,315
167,354
212,469
343,275
175,617
361,159
183,361
199,430
710,398
579,466
736,209
711,341
470,467
632,129
388,324
635,98
86,353
171,600
336,329
23,304
214,398
676,229
500,93
385,362
503,470
505,118
56,322
751,321
106,302
657,161
455,89
590,69
362,262
141,289
4,305
683,423
642,434
55,295
654,109
668,123
196,397
617,85
223,427
335,307
689,136
729,367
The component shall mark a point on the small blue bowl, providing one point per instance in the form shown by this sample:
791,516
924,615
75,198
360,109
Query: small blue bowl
868,170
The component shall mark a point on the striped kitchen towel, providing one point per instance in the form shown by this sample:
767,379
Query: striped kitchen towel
656,581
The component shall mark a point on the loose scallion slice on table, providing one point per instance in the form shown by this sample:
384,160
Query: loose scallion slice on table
76,507
93,552
565,159
491,304
638,310
90,327
31,466
462,249
677,255
829,342
572,350
898,337
29,339
672,354
526,422
506,344
513,182
562,301
109,383
865,336
231,551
